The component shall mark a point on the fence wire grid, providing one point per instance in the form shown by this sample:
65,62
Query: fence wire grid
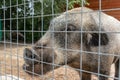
45,40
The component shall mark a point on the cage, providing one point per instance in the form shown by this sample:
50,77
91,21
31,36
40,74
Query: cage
59,39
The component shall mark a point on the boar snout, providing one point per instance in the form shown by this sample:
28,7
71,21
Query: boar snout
30,56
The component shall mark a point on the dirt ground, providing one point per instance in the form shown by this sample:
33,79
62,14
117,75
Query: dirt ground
11,61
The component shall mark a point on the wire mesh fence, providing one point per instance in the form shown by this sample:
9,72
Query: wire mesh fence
47,40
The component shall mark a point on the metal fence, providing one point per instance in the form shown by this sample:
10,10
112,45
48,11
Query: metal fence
37,39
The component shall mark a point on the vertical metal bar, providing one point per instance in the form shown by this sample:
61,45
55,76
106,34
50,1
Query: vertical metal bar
53,39
32,8
24,28
24,22
1,40
5,38
81,42
99,48
42,25
119,68
17,43
11,38
66,17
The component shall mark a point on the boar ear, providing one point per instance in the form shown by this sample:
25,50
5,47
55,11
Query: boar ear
93,39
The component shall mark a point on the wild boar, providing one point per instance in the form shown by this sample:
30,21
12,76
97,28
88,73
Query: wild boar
81,38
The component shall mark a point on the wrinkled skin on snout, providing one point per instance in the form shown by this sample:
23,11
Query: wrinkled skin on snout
76,43
40,55
50,51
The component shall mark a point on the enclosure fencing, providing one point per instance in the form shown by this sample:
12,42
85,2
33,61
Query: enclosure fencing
36,37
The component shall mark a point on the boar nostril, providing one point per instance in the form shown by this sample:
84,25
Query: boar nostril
29,54
34,56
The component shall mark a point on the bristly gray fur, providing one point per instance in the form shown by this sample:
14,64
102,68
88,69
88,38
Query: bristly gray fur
63,40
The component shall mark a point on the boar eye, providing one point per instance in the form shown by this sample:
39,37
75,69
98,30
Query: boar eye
40,46
70,27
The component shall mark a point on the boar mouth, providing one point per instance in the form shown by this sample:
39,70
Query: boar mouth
28,68
32,69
